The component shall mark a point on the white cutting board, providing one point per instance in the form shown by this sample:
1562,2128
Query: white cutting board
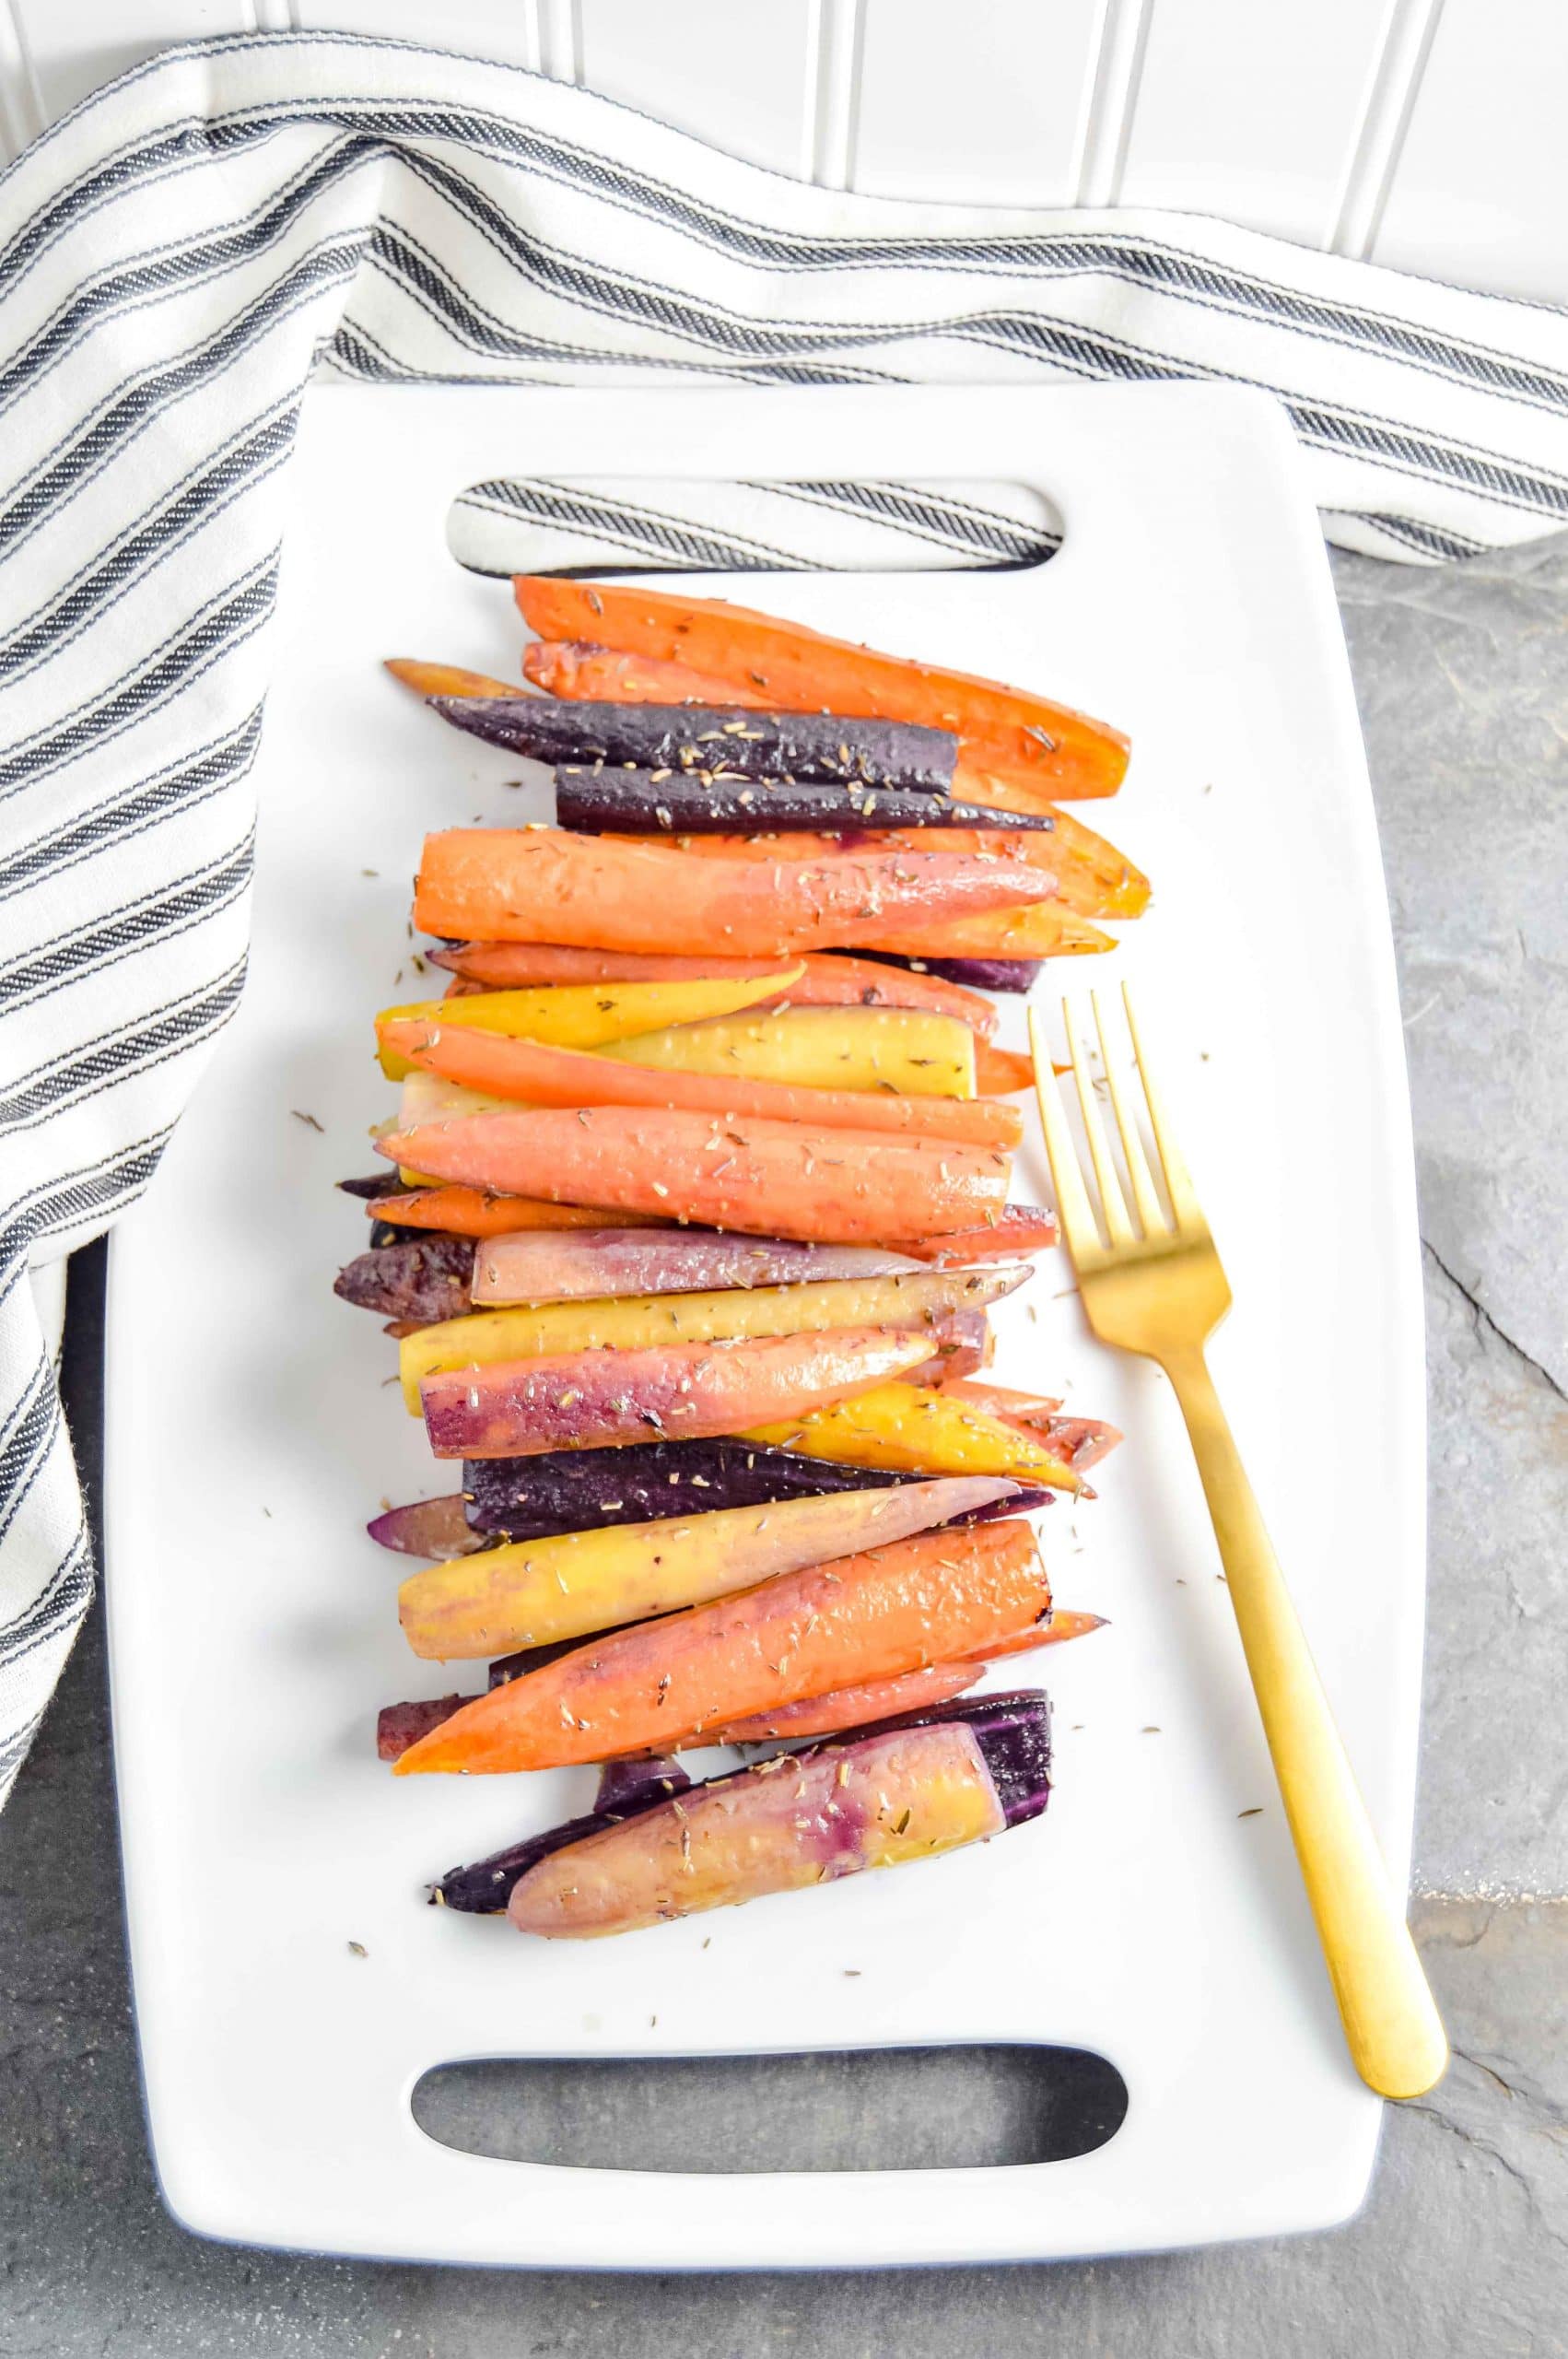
252,1629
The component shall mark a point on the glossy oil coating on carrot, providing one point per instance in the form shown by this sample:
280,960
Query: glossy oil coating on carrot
911,1690
605,1400
1088,874
1046,932
932,1303
827,979
933,1599
899,1796
769,1179
543,885
1016,735
477,1212
536,1593
447,680
539,1075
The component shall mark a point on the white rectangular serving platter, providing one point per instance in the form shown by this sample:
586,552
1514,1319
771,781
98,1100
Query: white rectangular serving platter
252,1427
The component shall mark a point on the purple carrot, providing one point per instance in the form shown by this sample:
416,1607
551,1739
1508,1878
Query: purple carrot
693,739
434,1528
601,802
1012,1733
573,1490
373,1184
976,974
422,1280
643,1778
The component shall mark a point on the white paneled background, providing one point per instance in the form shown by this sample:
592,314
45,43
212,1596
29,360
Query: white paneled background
1426,134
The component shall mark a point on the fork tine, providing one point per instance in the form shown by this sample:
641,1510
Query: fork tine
1151,1212
1118,1229
1078,1222
1178,1181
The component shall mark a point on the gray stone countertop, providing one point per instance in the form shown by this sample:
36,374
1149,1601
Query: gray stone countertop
1463,680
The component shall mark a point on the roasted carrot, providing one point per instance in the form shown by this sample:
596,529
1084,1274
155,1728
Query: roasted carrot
606,1400
827,979
769,1179
999,1071
533,1592
546,1076
1045,932
543,884
1017,736
477,1212
902,1050
931,1598
587,674
922,1301
588,1016
914,1429
909,1691
447,680
1089,875
1079,1442
1022,1228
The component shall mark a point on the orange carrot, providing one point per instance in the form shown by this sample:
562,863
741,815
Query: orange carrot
1022,1228
999,1071
589,674
479,1212
766,1178
931,1598
908,1691
1078,1442
447,680
543,884
828,980
1048,932
1022,738
541,1075
1089,875
852,1708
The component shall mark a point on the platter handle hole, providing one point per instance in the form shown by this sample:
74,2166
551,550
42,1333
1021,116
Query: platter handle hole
607,525
855,2109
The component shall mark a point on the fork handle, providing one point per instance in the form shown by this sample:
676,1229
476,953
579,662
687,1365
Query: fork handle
1392,2027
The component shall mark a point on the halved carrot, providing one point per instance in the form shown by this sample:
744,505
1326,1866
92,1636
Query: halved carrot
478,1212
447,680
1018,736
826,979
546,1077
908,1691
1089,875
999,1071
543,884
931,1598
1022,1228
904,1050
588,1015
915,1429
922,1301
769,1179
1079,1442
536,1593
1045,932
574,669
599,1400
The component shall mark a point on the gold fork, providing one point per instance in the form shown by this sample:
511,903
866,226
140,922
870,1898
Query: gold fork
1157,1287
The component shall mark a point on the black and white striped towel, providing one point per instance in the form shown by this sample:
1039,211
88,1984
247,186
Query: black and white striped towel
178,254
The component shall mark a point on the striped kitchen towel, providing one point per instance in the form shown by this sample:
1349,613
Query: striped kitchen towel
179,254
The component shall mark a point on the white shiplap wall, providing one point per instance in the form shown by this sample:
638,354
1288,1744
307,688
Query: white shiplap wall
1425,134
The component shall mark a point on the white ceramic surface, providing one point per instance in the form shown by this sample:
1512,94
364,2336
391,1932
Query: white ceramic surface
252,1427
